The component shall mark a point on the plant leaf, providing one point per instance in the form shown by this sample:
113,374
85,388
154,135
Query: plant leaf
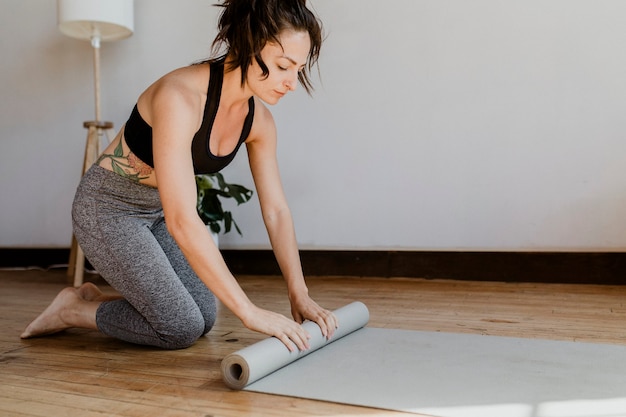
212,187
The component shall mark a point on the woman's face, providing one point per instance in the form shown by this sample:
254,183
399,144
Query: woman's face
284,62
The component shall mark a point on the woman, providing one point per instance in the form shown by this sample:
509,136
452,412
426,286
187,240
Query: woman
134,213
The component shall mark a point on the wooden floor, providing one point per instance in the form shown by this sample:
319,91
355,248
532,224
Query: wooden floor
83,373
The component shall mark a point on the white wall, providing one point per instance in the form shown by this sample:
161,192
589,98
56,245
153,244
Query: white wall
439,124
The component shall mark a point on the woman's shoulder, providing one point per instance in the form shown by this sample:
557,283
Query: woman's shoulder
192,79
263,124
183,87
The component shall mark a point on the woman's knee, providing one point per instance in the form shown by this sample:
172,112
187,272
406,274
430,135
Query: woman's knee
210,316
183,335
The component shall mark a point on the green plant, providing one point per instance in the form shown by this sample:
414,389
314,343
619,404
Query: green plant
210,188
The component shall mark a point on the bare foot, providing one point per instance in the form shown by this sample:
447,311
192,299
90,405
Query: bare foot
90,292
51,320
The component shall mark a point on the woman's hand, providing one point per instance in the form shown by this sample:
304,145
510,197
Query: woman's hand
304,308
287,331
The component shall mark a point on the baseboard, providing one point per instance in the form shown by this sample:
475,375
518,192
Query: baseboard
548,267
607,268
33,257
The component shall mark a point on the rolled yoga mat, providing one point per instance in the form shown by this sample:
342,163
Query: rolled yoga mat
254,362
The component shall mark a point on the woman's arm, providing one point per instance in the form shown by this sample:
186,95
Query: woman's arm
278,221
175,117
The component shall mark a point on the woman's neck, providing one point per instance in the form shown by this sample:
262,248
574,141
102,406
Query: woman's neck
233,93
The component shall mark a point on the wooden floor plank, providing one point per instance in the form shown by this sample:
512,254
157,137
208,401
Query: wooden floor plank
84,373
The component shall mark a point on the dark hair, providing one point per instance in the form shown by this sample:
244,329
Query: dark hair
246,26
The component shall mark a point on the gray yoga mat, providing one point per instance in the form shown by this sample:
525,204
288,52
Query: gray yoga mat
441,374
247,365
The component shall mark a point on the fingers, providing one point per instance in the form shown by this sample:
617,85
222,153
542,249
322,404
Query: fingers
295,339
290,333
328,323
306,308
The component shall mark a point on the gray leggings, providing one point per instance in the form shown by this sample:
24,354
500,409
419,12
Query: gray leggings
119,225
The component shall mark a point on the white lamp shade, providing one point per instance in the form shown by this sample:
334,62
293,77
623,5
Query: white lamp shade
107,20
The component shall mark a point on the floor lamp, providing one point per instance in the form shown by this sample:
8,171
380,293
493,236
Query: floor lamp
95,21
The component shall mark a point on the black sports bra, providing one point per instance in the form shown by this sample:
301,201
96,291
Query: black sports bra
138,133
